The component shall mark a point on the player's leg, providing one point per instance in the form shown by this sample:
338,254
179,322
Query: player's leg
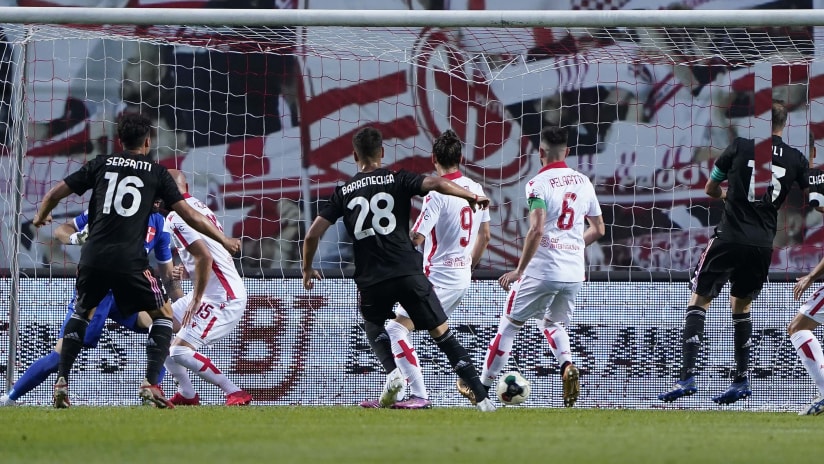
144,291
186,394
376,306
406,358
416,295
710,275
404,352
92,286
42,368
746,282
526,299
211,323
807,346
139,322
557,315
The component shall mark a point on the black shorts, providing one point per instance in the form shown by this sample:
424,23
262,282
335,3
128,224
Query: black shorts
133,291
745,266
413,292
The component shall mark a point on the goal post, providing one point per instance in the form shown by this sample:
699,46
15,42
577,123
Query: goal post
258,108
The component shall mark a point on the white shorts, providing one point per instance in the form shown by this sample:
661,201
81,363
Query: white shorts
814,306
211,323
535,298
450,299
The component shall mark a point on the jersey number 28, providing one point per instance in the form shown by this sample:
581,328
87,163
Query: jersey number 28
383,221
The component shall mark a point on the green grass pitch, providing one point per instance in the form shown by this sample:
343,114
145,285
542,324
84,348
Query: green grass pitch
259,434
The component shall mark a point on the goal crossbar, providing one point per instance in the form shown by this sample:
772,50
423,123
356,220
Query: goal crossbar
417,18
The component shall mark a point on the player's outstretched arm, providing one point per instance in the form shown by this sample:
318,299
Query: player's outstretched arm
533,238
310,247
49,202
447,187
202,224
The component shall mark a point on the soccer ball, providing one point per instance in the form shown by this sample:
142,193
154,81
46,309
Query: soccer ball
513,388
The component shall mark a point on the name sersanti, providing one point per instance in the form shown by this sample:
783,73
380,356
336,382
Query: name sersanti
117,161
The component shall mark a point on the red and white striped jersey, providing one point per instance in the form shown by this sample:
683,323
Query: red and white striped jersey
224,281
569,198
451,229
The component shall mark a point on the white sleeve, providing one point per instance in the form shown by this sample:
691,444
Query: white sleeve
184,234
594,208
428,217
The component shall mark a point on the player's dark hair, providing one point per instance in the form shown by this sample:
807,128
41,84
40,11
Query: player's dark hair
447,149
554,136
132,130
367,142
779,115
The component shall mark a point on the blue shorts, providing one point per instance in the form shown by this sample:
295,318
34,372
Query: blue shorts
106,309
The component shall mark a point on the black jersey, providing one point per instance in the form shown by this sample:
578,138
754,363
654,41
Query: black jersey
747,219
816,188
124,187
375,207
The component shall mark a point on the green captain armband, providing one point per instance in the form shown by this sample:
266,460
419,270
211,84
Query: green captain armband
718,175
535,203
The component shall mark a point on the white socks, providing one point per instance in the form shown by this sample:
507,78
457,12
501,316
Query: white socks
809,352
498,353
558,339
200,365
407,359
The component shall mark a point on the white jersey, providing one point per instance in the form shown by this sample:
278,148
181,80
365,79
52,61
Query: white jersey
451,229
224,283
569,198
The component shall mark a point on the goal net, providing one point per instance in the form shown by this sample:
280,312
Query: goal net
260,119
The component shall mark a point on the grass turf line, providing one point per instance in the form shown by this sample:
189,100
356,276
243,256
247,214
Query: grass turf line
351,434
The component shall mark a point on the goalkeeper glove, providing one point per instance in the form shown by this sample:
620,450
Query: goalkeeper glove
79,238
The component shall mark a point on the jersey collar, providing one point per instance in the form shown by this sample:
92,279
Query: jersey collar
452,175
186,195
555,165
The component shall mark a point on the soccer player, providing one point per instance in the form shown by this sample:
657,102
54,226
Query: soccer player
810,314
124,186
209,312
75,232
375,206
551,269
740,251
454,238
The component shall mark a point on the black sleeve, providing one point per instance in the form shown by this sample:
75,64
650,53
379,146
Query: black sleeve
803,177
167,189
333,208
83,179
410,182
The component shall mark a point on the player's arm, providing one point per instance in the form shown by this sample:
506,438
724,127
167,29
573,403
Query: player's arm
203,266
719,172
537,216
50,201
595,231
804,282
166,271
447,187
63,233
428,217
202,224
484,236
310,247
